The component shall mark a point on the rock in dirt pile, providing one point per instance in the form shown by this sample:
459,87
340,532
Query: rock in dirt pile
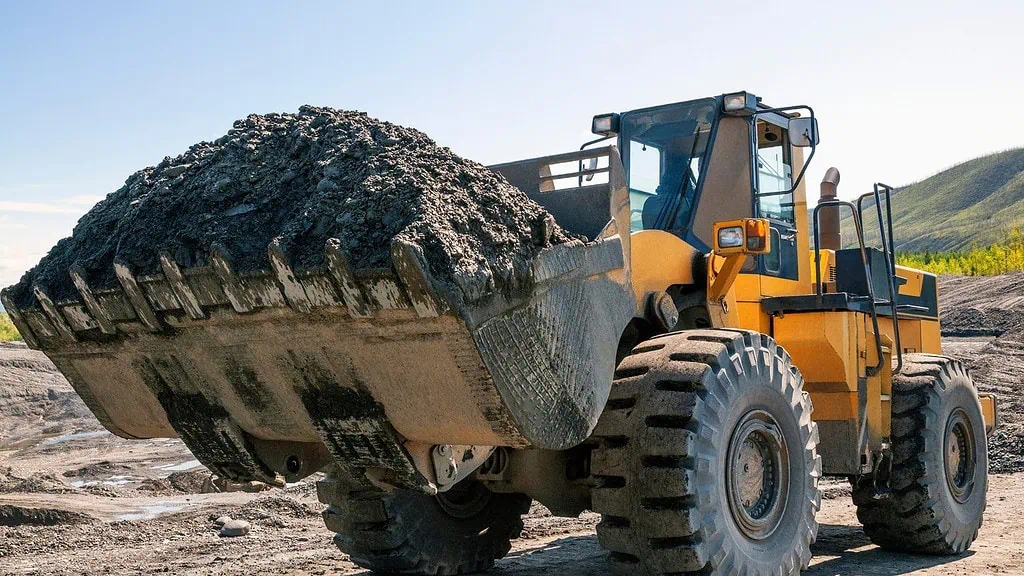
303,179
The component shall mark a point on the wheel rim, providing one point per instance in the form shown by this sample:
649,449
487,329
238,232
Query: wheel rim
757,475
464,500
961,455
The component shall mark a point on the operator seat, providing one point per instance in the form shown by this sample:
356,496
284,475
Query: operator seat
666,193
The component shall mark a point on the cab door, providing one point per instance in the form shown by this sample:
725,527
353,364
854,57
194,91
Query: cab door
774,201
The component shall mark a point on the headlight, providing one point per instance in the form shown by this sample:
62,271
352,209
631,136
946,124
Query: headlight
744,236
731,237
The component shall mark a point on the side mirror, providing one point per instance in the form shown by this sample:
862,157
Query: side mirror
803,132
592,165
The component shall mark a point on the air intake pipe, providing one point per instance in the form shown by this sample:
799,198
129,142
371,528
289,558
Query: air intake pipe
828,216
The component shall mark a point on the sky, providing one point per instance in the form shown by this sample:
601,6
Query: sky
92,92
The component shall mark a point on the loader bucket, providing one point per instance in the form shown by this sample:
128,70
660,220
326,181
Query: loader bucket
271,374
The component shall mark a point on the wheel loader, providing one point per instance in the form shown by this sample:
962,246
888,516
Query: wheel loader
690,371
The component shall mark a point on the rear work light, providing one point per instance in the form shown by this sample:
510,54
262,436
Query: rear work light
605,124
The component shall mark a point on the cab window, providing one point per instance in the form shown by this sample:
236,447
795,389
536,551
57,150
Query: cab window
644,179
663,153
774,173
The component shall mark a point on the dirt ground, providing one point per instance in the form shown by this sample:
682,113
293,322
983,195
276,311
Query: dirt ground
74,499
132,534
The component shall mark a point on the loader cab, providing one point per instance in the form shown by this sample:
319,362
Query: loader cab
691,164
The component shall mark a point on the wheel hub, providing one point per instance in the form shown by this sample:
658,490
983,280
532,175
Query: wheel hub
961,455
757,475
464,500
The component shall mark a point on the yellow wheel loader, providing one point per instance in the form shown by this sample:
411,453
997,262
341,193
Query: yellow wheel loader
689,371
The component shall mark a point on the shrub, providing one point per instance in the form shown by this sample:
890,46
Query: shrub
8,333
1000,258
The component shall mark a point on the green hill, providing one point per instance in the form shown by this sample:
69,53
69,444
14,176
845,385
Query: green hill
976,203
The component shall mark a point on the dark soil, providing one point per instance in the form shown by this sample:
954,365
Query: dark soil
178,483
982,306
305,178
98,469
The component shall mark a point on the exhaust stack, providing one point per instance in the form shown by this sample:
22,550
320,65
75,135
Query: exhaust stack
828,216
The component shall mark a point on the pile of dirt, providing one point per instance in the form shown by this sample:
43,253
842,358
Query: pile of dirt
303,179
98,469
37,483
7,479
11,515
983,326
982,306
275,507
178,483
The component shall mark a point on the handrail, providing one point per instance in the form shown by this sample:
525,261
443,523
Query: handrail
870,370
580,173
583,147
889,253
784,110
563,157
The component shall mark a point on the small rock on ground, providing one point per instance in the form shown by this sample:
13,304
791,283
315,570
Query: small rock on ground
234,528
220,522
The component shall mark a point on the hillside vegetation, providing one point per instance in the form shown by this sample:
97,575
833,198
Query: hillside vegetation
992,260
970,205
7,331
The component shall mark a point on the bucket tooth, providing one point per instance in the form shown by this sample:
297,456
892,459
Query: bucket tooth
203,423
337,264
411,267
136,297
53,313
290,286
78,276
19,322
187,298
221,263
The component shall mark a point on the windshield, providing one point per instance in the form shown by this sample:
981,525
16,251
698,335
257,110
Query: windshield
663,152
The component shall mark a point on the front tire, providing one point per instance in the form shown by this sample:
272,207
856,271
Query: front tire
939,475
402,532
707,458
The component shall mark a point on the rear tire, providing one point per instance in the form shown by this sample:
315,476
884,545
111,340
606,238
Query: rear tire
939,475
707,458
462,531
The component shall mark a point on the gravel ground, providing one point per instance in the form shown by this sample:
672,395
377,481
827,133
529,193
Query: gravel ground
303,179
983,326
287,537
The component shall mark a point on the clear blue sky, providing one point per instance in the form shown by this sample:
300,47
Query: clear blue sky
91,92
